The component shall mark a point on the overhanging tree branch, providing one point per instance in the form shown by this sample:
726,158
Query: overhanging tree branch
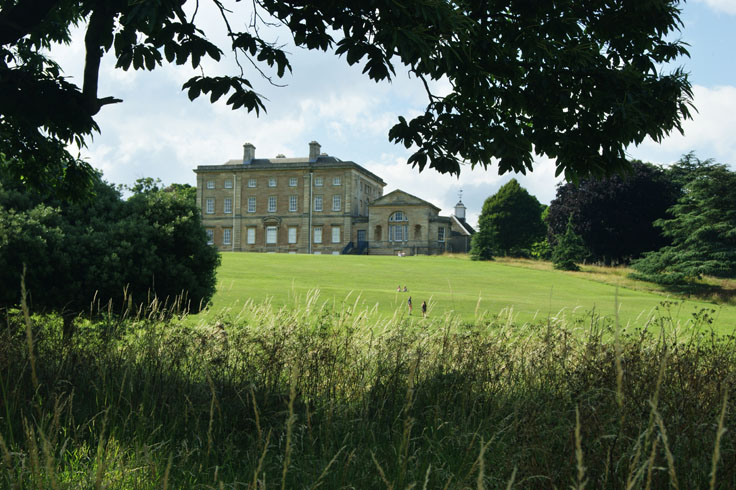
100,24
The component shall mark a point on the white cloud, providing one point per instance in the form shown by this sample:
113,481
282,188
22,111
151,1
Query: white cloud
710,133
727,6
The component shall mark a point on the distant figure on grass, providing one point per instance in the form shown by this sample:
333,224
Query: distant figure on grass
398,289
410,305
424,309
405,290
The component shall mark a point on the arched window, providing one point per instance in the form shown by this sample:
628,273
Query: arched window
398,227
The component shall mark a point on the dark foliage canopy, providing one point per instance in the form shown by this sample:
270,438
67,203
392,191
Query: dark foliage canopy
104,249
576,81
615,215
509,223
702,227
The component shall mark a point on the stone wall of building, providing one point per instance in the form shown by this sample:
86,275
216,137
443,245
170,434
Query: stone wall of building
237,203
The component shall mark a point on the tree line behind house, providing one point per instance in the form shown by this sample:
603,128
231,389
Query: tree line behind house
672,225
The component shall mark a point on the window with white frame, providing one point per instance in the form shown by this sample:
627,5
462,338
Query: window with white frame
292,203
250,236
270,235
228,205
335,234
441,234
251,204
210,236
292,234
271,204
210,207
398,227
319,181
318,203
227,236
272,182
251,182
336,181
210,184
336,202
292,181
317,234
229,184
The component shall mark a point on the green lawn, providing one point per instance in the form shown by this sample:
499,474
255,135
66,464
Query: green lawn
448,284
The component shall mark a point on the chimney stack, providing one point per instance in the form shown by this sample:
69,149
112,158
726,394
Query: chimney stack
314,150
249,153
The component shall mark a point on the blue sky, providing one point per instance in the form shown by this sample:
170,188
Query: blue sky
157,132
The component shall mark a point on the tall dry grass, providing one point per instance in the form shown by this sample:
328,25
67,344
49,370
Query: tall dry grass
319,396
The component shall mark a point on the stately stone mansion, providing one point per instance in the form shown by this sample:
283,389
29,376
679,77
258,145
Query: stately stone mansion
319,205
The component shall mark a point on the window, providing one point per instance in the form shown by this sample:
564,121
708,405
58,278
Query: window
210,236
272,182
335,234
336,202
251,182
398,232
317,234
250,235
270,234
228,184
398,216
251,204
292,182
227,236
292,203
441,234
319,181
336,181
292,234
271,204
318,203
210,184
228,205
210,205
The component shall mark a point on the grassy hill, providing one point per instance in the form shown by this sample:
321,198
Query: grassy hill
450,285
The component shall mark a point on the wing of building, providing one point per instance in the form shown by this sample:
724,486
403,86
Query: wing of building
320,205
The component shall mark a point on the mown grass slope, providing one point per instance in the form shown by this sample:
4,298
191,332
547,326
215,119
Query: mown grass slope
453,285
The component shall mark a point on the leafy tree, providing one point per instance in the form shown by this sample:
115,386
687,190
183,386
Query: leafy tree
509,223
569,250
576,81
702,228
542,250
105,249
186,191
615,215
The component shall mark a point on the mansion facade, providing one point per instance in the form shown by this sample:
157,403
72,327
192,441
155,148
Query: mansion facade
319,205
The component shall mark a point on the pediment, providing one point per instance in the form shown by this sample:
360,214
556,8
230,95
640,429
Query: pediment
401,198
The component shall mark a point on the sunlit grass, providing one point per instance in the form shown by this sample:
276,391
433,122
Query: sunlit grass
527,290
